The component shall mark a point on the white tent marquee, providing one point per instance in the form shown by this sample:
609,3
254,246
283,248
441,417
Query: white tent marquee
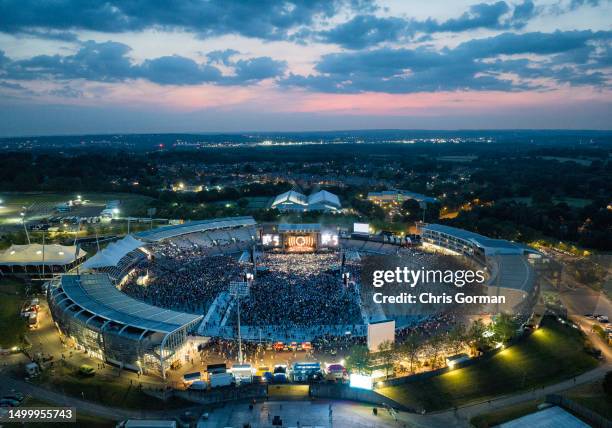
37,255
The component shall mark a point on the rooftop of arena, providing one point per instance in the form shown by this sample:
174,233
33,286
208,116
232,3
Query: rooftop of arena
96,294
489,245
171,231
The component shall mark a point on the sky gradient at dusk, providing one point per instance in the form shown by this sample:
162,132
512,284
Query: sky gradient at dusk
71,66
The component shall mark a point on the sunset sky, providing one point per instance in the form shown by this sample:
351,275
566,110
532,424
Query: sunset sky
83,66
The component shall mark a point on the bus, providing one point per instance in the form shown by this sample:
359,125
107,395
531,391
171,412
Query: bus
306,371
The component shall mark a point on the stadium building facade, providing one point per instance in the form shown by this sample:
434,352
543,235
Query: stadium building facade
510,265
113,327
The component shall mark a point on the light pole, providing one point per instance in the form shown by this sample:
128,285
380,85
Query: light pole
239,289
23,221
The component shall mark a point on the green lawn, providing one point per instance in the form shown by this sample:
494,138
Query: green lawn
41,204
498,417
110,391
552,353
258,202
12,325
592,396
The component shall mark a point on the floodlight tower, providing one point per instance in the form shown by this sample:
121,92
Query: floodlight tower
23,221
239,289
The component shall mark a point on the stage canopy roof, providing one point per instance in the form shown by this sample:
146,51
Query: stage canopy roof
36,255
111,255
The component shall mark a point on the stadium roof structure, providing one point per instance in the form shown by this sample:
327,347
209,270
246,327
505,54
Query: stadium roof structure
38,255
489,245
111,255
172,231
303,227
96,294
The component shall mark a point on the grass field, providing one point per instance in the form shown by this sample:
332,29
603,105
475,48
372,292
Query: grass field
592,396
110,391
553,353
258,202
41,205
12,326
504,415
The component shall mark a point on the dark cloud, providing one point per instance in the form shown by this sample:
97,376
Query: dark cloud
473,65
64,36
109,62
534,43
267,19
222,56
575,4
369,30
105,62
255,69
482,15
177,70
365,30
522,13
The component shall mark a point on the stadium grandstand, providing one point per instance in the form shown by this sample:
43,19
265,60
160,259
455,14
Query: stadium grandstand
296,201
173,231
37,260
109,325
121,256
135,303
508,263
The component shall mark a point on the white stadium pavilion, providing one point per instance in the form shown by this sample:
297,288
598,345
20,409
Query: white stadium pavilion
296,201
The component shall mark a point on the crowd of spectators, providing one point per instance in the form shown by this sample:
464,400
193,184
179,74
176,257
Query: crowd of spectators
186,279
300,290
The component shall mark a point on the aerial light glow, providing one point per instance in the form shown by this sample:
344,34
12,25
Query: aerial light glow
360,381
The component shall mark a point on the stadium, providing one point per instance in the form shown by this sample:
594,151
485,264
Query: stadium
145,301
